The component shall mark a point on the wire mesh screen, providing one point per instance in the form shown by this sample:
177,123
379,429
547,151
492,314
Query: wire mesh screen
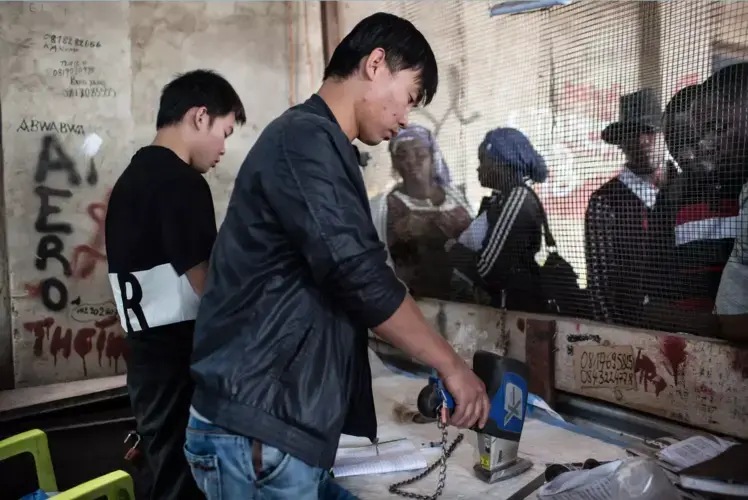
584,160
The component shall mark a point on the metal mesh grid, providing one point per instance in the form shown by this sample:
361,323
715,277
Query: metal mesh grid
641,238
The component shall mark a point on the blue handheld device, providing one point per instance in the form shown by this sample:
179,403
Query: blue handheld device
498,442
506,385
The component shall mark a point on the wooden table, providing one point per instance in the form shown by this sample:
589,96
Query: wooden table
541,442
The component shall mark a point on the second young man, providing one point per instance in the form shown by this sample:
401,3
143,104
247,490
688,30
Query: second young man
160,229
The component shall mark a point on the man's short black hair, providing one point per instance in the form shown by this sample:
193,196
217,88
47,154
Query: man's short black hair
201,87
404,47
731,82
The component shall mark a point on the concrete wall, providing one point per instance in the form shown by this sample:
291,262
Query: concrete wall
70,70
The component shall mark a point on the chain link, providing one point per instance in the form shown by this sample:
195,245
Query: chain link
441,463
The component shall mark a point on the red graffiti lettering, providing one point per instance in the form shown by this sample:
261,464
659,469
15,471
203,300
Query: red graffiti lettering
40,330
83,345
101,344
61,342
674,350
101,340
116,347
85,257
648,373
601,104
108,343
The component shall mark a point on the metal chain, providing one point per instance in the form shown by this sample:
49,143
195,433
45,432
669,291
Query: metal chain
441,463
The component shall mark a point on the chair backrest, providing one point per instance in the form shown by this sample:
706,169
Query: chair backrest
34,442
116,485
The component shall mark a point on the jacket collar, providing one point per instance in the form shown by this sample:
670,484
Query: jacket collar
643,189
318,106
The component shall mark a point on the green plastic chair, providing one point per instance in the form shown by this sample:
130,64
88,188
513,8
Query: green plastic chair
116,485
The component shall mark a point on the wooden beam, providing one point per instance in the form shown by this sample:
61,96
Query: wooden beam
330,28
539,356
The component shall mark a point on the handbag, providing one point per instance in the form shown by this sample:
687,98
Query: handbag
558,278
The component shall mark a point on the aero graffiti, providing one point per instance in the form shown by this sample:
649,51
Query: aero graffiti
52,291
56,178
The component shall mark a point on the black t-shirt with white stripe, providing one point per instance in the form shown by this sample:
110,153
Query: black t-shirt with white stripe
160,223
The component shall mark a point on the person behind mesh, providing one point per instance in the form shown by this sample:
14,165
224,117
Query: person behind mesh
618,213
421,213
690,233
722,123
497,252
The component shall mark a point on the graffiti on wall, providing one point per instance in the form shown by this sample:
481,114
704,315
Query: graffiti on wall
453,108
103,337
569,138
54,165
598,364
67,256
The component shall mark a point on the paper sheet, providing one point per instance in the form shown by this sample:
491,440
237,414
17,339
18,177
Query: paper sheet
693,450
396,456
539,402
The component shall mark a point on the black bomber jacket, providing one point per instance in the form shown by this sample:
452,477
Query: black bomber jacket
297,277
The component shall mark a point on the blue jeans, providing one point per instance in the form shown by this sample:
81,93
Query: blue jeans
222,464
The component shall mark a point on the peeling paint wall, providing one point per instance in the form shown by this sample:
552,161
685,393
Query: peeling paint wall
79,92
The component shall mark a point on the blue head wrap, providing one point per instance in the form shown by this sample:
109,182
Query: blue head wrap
509,148
423,136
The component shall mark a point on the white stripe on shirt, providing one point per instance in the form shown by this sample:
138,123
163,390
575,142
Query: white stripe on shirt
716,228
501,229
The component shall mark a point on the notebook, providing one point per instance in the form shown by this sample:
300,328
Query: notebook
394,456
725,474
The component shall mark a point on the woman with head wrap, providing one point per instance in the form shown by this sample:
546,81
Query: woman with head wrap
421,213
507,233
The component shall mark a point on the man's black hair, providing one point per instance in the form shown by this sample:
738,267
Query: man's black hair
201,87
404,47
731,82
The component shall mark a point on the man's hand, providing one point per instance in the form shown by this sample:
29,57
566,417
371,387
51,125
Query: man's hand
469,394
409,331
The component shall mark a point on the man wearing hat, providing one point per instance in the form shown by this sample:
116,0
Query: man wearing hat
618,213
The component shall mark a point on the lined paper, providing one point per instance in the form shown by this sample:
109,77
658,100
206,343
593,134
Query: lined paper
397,456
693,450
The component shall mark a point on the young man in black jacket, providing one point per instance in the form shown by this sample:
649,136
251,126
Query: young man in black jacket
297,277
160,228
